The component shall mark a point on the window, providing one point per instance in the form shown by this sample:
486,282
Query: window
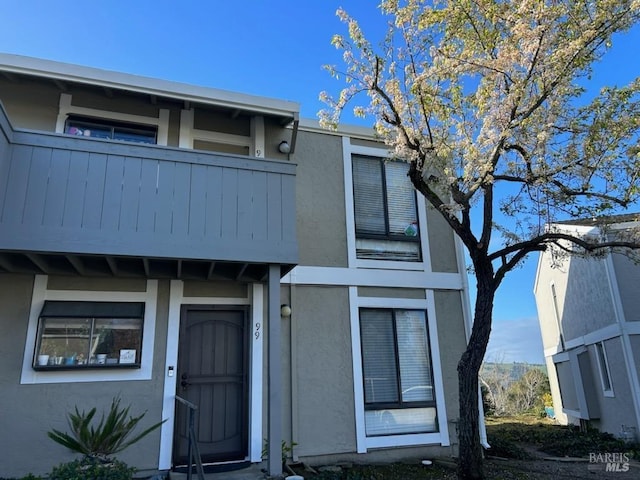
397,375
386,215
74,335
97,128
603,366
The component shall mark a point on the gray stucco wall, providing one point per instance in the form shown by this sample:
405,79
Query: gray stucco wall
385,292
628,279
324,417
617,410
30,104
451,341
567,386
584,296
29,411
320,202
441,243
634,340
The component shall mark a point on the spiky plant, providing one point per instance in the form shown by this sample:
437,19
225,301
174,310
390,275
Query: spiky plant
112,434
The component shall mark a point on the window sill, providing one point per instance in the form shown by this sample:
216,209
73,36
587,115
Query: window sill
56,368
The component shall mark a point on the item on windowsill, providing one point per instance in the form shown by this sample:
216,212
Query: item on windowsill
102,358
128,356
111,361
43,359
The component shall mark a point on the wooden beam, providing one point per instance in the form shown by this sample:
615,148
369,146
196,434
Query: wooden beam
76,263
108,92
11,77
6,263
113,265
212,267
153,99
241,271
147,269
39,262
61,85
179,269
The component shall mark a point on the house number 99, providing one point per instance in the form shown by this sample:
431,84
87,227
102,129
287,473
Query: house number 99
257,331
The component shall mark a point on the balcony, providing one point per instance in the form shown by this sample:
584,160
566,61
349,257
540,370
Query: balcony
72,205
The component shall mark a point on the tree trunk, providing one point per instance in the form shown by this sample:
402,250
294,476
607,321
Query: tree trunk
470,454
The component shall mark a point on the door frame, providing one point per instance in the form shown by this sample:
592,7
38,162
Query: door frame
185,310
256,301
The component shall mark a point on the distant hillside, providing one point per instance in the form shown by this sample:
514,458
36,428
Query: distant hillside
511,372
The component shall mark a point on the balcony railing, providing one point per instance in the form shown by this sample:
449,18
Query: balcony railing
71,195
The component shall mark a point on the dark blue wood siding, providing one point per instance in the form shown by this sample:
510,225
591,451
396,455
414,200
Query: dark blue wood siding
63,194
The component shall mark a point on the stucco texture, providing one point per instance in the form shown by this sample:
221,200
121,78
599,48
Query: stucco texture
29,411
323,417
583,295
628,279
321,216
617,410
451,341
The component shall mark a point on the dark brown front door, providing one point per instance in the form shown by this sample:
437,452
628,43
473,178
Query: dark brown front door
212,374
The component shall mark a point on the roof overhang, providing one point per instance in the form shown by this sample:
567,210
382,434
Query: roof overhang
286,110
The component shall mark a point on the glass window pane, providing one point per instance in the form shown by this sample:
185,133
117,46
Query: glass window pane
414,357
368,196
134,136
113,336
400,421
64,340
382,249
378,356
401,200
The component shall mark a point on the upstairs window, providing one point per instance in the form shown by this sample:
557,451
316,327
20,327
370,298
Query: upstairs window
74,335
603,366
397,374
111,130
386,214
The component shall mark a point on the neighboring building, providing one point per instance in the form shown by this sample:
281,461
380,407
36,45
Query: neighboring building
150,232
589,312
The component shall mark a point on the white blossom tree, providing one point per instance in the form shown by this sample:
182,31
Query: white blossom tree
486,101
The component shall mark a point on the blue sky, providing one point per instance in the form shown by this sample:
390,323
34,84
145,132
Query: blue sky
272,48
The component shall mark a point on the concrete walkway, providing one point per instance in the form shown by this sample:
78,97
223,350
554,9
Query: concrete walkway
252,472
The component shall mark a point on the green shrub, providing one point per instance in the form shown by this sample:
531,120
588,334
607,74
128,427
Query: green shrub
110,436
92,468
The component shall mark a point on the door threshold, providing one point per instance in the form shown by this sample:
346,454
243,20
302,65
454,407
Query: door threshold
217,467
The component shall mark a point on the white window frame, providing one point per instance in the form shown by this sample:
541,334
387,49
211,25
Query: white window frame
41,294
604,370
363,442
161,122
425,264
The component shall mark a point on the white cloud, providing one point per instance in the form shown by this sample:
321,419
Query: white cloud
516,340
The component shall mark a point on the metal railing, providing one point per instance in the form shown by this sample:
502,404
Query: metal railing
193,452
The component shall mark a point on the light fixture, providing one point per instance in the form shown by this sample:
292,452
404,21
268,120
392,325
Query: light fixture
284,147
285,310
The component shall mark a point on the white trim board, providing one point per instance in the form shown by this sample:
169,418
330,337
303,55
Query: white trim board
364,443
176,299
40,294
340,276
